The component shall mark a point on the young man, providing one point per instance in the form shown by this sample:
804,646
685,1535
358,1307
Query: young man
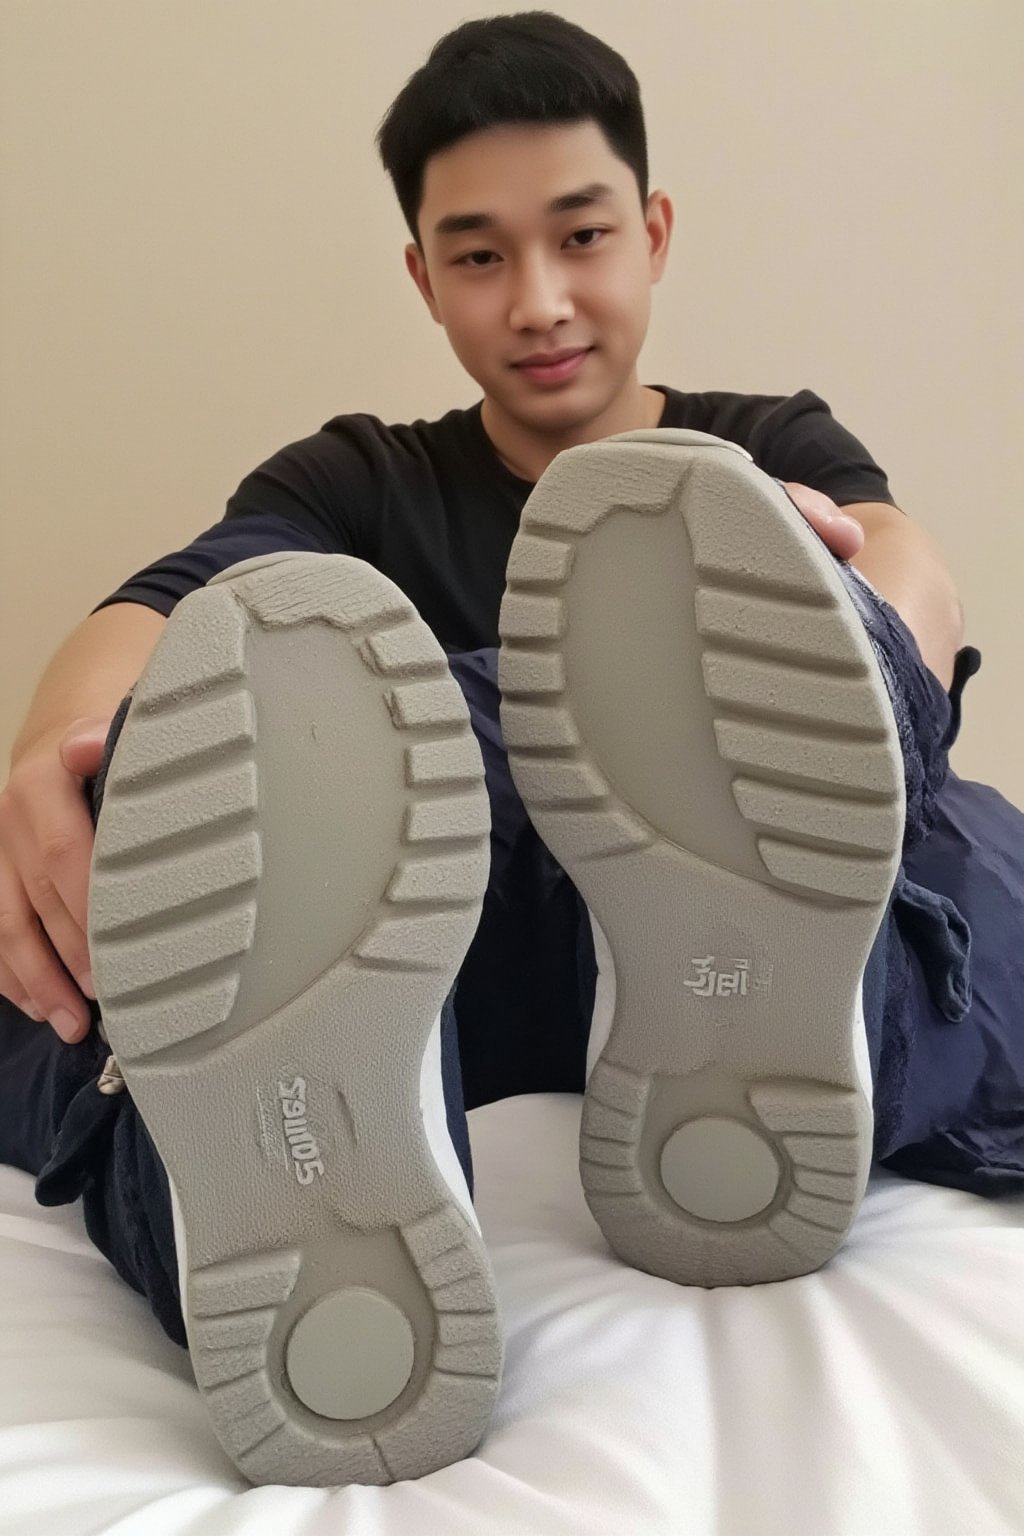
724,734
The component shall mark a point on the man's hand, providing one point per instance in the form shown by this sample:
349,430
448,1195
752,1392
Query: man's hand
902,562
45,826
46,841
842,533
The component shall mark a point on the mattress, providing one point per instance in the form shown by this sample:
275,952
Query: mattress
883,1394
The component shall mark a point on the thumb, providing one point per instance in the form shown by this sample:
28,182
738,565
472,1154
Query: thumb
82,745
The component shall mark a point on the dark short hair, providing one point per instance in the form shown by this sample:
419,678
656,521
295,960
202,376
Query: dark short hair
533,67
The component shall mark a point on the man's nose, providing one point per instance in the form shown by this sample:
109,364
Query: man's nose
540,298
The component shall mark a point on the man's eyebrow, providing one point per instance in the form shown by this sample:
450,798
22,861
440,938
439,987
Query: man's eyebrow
583,197
594,192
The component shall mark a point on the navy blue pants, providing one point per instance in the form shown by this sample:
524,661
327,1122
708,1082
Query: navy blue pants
941,994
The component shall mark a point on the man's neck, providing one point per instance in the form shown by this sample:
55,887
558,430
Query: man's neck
528,453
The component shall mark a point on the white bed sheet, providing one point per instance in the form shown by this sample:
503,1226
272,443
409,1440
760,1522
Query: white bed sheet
884,1394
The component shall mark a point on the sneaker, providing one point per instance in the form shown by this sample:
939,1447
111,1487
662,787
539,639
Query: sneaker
700,732
289,864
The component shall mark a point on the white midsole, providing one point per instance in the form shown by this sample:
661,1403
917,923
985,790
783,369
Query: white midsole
604,996
435,1124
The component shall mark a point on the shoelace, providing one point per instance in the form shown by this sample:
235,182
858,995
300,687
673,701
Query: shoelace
111,1080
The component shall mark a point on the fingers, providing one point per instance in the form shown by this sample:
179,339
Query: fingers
82,746
37,981
66,936
11,988
843,535
46,839
47,834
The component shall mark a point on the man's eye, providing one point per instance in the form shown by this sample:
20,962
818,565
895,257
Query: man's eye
587,237
476,259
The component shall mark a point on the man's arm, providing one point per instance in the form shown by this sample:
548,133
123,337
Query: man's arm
310,496
902,561
908,568
45,828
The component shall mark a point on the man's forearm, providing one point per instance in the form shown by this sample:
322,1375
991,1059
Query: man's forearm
909,570
92,671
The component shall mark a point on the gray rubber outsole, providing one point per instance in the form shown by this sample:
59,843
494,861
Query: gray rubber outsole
289,865
701,735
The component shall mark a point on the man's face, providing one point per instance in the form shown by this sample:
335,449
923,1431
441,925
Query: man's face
535,246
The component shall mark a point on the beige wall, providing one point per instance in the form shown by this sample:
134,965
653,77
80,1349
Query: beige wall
201,260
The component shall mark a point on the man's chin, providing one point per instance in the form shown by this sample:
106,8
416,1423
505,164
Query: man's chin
556,413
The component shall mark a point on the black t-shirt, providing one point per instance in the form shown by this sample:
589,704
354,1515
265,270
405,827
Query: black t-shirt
432,505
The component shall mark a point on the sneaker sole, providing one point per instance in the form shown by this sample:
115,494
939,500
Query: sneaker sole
289,865
701,735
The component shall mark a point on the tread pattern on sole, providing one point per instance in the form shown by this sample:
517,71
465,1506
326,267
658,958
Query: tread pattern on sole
800,713
795,635
176,875
176,885
551,769
237,1352
804,728
818,1135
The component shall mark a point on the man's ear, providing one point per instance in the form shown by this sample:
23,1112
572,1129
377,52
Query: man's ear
416,263
660,216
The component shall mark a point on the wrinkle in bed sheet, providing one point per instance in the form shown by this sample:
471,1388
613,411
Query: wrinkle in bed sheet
883,1394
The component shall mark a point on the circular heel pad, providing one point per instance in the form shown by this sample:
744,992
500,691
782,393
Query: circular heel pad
351,1354
719,1170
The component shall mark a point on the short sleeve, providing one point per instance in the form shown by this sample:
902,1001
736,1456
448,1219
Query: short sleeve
320,494
332,484
797,438
162,585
